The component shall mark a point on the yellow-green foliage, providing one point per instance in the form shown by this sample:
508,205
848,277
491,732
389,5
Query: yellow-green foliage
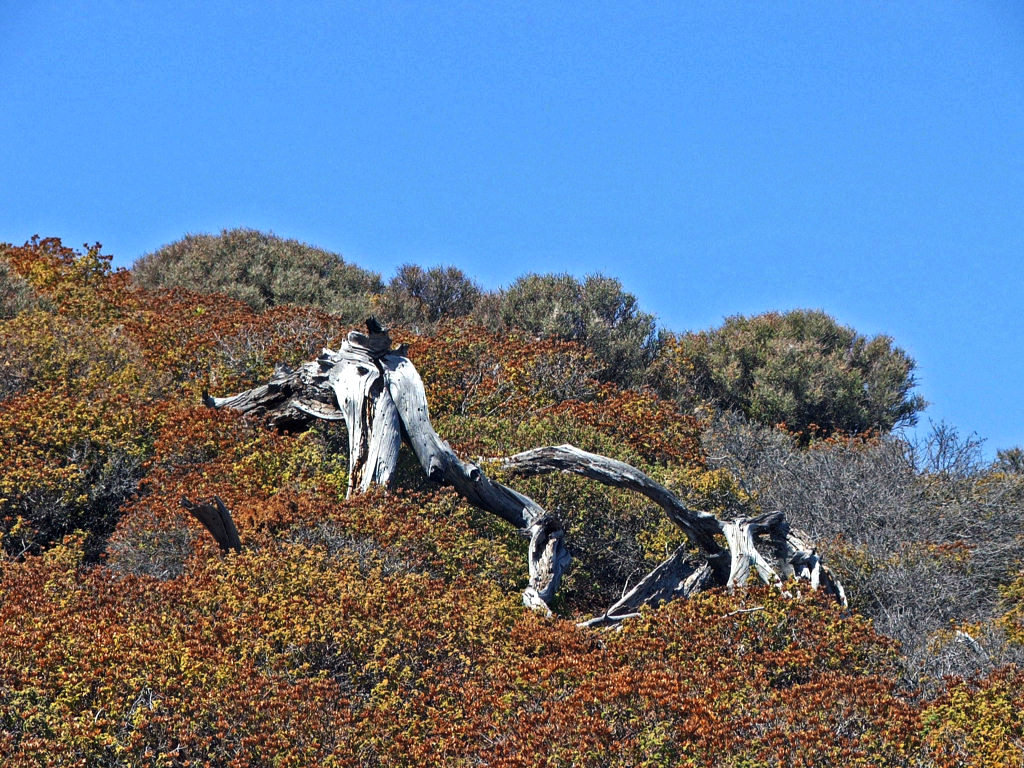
289,654
979,724
1013,620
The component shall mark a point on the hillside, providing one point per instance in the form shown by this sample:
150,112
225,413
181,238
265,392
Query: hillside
387,628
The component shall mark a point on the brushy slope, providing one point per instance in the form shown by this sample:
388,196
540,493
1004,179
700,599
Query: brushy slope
386,630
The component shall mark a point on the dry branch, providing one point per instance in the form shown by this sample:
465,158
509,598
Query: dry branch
380,396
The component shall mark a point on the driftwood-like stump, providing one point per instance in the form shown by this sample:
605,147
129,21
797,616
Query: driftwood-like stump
379,395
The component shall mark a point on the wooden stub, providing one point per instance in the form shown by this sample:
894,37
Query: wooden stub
216,518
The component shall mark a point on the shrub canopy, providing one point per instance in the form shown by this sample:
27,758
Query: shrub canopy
596,312
419,298
262,270
385,629
801,369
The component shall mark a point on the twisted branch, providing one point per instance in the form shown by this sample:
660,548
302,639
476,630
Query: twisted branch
380,396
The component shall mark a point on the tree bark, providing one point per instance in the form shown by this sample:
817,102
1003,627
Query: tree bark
380,396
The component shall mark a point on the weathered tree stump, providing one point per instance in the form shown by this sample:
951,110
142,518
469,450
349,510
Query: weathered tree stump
217,520
379,395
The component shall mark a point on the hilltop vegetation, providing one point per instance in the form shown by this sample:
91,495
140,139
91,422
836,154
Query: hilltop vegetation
386,629
800,369
263,271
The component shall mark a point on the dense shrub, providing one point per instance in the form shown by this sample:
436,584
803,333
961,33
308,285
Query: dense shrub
800,368
494,394
595,312
386,629
15,293
74,421
1011,460
262,270
289,654
977,724
90,376
56,478
473,371
418,298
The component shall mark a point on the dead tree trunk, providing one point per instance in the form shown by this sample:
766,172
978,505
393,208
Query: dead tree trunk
379,395
217,520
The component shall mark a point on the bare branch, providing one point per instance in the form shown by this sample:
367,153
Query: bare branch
380,396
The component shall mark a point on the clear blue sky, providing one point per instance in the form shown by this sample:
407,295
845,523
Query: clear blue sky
866,158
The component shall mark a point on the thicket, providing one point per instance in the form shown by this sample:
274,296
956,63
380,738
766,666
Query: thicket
925,535
595,312
800,369
263,271
386,629
418,298
15,294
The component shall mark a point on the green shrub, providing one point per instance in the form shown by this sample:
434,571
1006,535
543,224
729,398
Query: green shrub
800,368
262,270
1010,460
595,312
15,294
419,298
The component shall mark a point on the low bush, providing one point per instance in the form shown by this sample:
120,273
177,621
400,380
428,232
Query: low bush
800,369
262,270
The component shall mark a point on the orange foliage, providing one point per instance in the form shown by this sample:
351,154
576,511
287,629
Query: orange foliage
385,629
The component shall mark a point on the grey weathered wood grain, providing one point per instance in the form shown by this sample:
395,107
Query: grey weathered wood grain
380,396
700,527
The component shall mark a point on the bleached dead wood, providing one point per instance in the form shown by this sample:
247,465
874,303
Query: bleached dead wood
682,575
765,543
700,527
380,396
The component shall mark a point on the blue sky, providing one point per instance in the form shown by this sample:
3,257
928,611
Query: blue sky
865,158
